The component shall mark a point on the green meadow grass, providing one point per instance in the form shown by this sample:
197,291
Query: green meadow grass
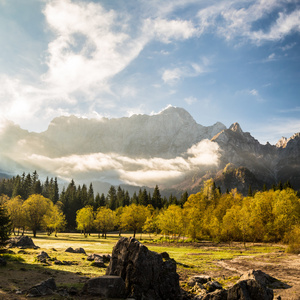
191,258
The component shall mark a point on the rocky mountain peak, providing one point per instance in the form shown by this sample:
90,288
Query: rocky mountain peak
235,127
176,112
282,142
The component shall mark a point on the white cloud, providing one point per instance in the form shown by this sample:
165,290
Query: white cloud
191,100
117,167
172,76
232,20
165,30
89,47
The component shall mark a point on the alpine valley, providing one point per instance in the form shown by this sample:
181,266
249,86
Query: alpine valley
168,149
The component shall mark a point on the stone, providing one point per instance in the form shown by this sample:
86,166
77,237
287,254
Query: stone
79,250
43,256
165,255
92,257
70,249
220,295
105,286
211,286
144,272
198,279
98,262
22,241
47,287
263,278
248,290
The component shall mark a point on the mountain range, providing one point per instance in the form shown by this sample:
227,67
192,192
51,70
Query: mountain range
168,149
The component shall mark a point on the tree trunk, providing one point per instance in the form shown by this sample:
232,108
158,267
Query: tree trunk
34,232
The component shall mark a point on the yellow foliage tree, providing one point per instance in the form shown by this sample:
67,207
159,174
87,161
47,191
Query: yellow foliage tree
133,217
35,208
15,210
85,219
54,220
105,220
170,221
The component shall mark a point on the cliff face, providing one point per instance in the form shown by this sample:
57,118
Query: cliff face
168,144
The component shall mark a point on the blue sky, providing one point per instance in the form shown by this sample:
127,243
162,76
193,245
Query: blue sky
227,61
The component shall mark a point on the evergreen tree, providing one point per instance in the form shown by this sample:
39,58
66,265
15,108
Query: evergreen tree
134,198
45,191
27,186
126,199
5,225
91,198
184,197
120,197
17,187
112,198
156,198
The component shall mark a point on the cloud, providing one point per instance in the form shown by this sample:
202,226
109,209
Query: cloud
114,167
190,100
172,76
231,20
85,54
166,30
250,92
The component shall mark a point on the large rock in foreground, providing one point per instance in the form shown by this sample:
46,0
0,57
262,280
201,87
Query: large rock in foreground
144,272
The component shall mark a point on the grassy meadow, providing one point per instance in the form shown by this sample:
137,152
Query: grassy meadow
24,270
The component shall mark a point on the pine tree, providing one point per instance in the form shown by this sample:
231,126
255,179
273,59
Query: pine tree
112,198
91,199
156,198
5,225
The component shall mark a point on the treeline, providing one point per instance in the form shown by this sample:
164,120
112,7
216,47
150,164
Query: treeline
74,197
264,216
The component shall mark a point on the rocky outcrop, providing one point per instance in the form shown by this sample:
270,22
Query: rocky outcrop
144,272
251,286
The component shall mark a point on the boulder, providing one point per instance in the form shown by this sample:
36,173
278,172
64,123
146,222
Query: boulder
243,290
202,279
22,241
211,286
105,286
248,290
263,278
70,249
144,272
44,288
221,295
92,257
77,250
43,256
98,262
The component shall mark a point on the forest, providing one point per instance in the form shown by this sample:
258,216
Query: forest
262,216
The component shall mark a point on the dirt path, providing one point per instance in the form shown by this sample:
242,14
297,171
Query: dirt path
284,267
